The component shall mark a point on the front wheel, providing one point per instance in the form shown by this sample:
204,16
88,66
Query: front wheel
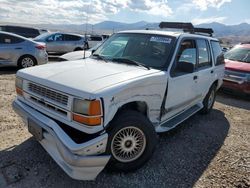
132,140
209,100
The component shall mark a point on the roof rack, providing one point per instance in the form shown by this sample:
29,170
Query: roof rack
186,27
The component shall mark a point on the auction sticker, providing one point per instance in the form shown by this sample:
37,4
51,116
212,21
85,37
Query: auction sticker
161,39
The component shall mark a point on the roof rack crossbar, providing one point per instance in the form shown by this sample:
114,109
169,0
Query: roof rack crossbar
176,25
186,27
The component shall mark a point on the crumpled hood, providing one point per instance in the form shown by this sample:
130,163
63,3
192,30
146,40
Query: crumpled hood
87,75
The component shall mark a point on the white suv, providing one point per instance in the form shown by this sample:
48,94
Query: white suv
106,110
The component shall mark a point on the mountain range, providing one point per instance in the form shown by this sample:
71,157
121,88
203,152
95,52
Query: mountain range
231,33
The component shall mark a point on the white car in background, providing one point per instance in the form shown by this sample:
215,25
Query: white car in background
93,40
76,55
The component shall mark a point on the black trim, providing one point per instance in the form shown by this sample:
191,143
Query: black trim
163,110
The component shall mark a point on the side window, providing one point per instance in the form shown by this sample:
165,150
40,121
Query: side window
55,37
96,38
204,55
9,39
58,37
71,38
186,55
218,54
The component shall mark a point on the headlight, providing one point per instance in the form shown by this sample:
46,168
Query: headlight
87,112
19,86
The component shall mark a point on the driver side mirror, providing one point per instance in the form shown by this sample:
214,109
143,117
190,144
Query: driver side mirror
184,66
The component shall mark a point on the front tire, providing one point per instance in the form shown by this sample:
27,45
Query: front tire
209,100
132,140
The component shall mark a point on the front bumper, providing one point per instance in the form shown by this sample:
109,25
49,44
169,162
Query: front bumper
241,86
79,161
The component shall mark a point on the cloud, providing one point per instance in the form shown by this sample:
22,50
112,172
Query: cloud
204,4
197,21
75,11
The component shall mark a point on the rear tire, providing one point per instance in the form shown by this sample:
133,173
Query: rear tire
26,61
132,140
209,100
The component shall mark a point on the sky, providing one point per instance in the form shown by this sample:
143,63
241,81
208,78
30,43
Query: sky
228,12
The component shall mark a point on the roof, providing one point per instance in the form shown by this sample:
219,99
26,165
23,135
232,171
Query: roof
169,33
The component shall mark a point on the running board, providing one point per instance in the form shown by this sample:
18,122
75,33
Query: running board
172,123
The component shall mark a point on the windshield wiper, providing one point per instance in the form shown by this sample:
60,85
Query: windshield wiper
100,57
131,62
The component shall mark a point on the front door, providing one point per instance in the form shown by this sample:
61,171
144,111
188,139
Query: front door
182,90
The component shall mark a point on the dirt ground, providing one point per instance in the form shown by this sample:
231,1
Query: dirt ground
204,151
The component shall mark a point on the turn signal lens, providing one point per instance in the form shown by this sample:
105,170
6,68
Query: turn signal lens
93,121
19,91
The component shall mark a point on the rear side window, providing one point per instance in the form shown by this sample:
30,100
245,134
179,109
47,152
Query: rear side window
203,52
71,38
8,39
218,54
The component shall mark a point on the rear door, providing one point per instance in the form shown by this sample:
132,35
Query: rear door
204,67
182,86
11,48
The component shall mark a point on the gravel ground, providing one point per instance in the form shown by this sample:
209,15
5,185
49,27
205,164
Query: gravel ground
204,151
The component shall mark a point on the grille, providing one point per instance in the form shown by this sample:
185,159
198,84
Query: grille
48,93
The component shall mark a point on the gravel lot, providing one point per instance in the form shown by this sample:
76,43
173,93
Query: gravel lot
205,151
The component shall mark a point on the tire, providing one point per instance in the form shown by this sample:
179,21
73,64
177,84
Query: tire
209,100
127,128
26,61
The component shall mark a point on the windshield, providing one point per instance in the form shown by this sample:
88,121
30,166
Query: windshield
145,49
238,54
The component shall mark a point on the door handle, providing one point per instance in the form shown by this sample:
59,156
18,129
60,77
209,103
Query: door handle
195,77
212,71
19,48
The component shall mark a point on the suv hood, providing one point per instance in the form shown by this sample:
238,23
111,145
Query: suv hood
237,66
87,75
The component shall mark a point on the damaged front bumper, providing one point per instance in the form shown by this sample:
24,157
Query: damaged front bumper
79,161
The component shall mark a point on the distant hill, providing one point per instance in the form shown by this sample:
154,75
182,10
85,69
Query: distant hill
231,33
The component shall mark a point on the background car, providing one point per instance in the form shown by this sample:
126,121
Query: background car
18,51
27,32
237,69
62,42
71,56
94,40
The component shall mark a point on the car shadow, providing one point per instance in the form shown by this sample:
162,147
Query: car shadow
180,158
8,70
232,99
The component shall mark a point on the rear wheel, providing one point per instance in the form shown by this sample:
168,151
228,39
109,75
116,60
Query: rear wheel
26,61
209,100
132,140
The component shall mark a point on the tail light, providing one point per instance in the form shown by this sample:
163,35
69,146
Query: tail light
41,47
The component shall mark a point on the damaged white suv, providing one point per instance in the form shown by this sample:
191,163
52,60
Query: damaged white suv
106,110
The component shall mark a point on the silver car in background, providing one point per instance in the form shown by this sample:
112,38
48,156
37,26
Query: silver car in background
16,50
62,42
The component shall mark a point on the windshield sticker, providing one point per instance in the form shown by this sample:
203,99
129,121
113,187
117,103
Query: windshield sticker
161,39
